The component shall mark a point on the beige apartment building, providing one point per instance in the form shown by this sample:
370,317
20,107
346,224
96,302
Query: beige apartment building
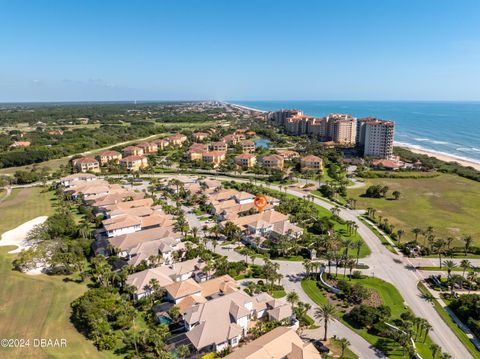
148,147
218,146
342,128
375,137
86,164
214,157
246,160
248,146
109,156
274,162
311,163
134,163
132,151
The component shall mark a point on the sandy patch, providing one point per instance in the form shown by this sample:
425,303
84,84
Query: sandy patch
16,236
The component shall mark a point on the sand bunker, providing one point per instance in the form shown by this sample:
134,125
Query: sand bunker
16,237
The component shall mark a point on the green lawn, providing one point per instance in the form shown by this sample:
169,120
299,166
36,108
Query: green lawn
334,346
449,203
37,306
24,204
390,297
279,293
453,326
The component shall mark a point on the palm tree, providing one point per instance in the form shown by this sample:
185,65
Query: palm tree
344,343
434,349
358,246
326,313
472,278
307,264
292,298
182,351
194,232
396,195
465,264
416,231
468,241
450,265
400,234
214,244
439,245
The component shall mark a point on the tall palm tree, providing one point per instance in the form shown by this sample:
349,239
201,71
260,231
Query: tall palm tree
416,231
465,264
344,343
434,348
450,265
292,298
472,278
468,241
326,313
358,246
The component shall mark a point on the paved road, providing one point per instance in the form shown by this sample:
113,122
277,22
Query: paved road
392,268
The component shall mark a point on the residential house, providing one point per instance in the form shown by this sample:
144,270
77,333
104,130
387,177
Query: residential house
288,154
196,151
162,144
76,178
21,144
279,343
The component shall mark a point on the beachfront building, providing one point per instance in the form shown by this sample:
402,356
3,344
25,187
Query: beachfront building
86,164
246,160
275,162
339,128
109,156
311,163
134,163
375,137
342,129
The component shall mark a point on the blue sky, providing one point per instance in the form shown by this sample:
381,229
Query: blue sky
250,50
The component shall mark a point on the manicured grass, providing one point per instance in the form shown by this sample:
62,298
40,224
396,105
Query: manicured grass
449,321
23,205
449,203
334,346
456,269
278,293
390,297
37,306
379,235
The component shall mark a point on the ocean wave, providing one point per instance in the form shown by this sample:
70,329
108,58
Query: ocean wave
429,150
421,139
468,149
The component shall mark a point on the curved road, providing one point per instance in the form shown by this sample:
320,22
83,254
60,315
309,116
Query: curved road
387,266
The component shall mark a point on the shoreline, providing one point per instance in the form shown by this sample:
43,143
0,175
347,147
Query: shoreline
440,156
245,107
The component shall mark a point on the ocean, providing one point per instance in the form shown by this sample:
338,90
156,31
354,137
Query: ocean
449,128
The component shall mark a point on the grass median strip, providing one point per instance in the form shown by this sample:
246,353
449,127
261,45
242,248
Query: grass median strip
451,323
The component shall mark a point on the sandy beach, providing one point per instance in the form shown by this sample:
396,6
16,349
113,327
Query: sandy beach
246,108
442,157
